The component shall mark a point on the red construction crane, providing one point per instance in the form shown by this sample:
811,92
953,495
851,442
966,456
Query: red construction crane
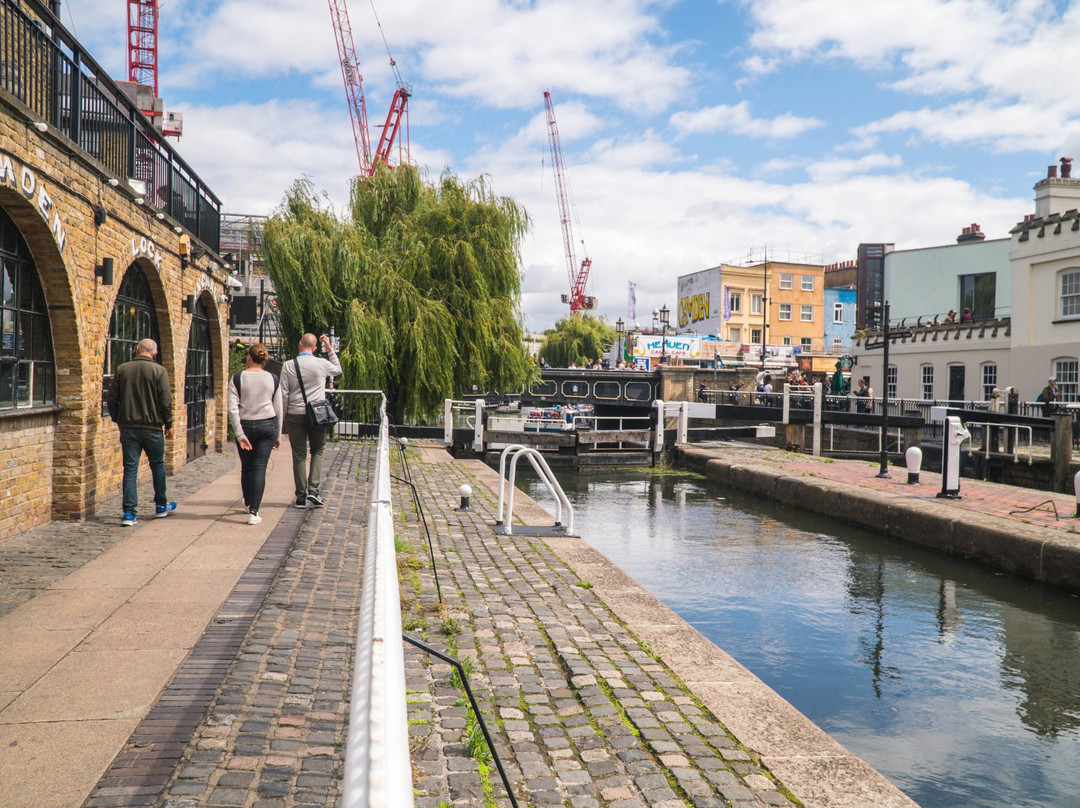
578,276
354,92
142,43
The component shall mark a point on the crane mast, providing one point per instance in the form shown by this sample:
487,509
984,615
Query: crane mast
354,87
577,275
142,43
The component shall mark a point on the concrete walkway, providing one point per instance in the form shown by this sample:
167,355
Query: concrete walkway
198,661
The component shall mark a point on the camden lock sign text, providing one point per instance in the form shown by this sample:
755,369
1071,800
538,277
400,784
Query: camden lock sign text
23,179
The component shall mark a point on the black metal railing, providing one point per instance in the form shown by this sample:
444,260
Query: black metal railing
45,67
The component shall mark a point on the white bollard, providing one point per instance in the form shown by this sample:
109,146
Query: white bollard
913,459
465,491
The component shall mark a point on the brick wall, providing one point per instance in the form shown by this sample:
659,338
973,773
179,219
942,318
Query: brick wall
72,455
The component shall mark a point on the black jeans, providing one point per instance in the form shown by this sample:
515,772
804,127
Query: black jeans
262,435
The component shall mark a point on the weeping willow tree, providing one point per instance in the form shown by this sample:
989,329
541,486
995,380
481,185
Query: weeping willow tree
421,281
575,340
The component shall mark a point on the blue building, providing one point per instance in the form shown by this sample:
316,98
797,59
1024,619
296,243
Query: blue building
840,305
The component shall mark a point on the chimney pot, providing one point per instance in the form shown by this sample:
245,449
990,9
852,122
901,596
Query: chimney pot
1066,167
1051,172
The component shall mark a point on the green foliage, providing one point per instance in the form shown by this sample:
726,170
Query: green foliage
421,281
475,742
576,339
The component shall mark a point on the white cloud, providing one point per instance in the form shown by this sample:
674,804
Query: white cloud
1003,128
834,170
250,153
738,120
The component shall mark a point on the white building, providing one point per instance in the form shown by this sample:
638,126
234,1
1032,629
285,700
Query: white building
1024,293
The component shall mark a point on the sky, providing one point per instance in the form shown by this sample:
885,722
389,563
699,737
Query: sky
693,132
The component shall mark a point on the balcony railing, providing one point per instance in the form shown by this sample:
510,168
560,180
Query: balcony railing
44,67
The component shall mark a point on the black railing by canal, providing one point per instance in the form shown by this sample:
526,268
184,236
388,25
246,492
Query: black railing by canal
44,67
616,389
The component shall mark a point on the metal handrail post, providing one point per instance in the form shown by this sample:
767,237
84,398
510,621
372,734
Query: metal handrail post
817,419
478,427
448,422
544,473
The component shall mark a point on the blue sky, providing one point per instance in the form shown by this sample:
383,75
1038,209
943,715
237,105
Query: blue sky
694,131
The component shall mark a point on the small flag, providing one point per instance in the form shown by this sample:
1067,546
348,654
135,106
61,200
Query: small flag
631,303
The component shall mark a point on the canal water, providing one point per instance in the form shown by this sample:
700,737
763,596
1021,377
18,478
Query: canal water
960,684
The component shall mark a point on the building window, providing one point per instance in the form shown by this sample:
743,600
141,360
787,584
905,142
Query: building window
808,283
977,293
755,304
786,280
735,299
785,311
1070,293
807,314
838,312
806,342
927,382
755,336
27,366
786,341
134,318
1065,371
989,380
891,379
734,334
837,343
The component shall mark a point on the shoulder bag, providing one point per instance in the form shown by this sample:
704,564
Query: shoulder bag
319,414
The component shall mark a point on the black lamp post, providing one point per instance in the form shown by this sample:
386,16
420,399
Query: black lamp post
620,331
664,314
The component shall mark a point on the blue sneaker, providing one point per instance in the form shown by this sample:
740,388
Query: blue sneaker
129,520
165,510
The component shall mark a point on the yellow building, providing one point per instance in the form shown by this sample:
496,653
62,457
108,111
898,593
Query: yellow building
796,304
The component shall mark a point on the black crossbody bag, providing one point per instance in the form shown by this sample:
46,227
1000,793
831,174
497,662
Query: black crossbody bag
319,414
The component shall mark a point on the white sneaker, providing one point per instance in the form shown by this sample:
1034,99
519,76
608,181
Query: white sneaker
254,518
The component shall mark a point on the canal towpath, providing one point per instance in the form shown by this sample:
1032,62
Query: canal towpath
598,695
1031,533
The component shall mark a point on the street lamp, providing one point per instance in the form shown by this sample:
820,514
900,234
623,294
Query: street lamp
620,331
664,314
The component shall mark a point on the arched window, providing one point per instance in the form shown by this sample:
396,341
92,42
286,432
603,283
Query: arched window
27,364
134,318
199,380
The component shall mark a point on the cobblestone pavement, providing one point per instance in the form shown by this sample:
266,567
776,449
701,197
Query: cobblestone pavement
1010,502
584,715
31,562
273,734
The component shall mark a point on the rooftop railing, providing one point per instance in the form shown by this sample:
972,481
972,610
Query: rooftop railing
45,68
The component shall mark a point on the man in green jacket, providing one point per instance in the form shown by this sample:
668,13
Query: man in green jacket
140,403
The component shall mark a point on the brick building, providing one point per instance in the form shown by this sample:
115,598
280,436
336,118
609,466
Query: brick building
106,237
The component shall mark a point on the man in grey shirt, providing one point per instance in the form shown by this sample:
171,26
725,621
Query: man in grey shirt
315,372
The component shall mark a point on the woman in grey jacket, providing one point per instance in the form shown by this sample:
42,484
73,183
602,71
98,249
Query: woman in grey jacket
255,412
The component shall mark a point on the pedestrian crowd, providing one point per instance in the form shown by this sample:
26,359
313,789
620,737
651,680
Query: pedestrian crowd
260,405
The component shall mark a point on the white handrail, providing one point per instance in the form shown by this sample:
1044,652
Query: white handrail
377,767
514,453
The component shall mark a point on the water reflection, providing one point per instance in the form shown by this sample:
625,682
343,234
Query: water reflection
961,685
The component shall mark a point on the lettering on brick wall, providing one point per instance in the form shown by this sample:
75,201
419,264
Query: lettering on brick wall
23,179
144,246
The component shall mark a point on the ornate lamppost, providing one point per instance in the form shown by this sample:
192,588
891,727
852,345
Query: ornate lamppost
664,314
620,333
